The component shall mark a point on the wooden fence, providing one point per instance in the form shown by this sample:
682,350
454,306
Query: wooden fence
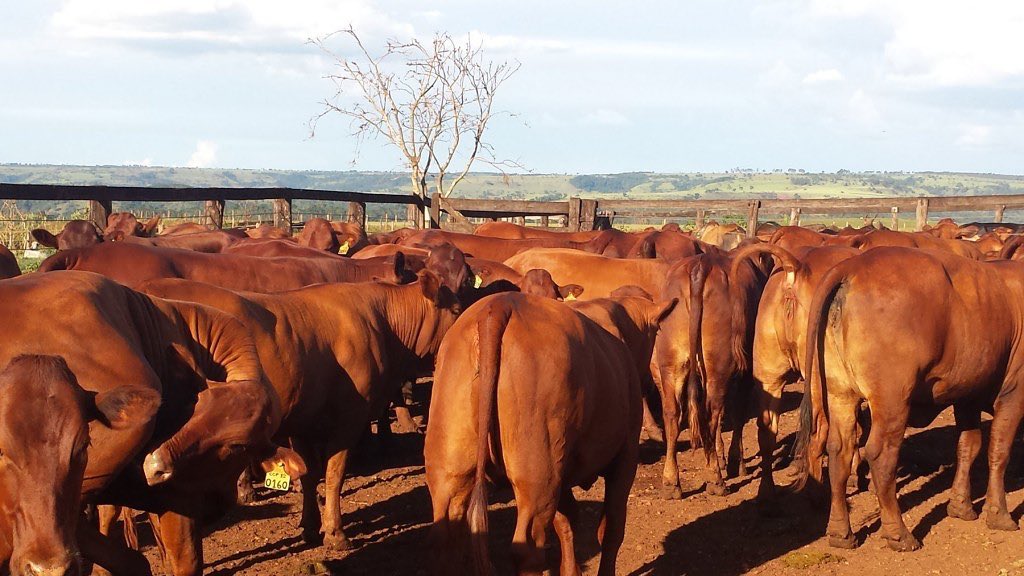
576,213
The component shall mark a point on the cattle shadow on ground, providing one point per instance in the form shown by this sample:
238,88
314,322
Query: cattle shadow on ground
265,553
737,539
259,511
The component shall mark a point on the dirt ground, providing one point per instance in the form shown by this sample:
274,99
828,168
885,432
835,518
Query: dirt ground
387,512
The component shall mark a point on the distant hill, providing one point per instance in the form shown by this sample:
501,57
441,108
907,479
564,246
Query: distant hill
639,185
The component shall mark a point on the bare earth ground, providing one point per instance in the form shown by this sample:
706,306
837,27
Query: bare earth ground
387,511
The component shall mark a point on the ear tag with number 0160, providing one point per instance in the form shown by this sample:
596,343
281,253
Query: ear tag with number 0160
278,479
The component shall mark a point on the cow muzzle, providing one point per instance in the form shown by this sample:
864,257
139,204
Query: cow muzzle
157,468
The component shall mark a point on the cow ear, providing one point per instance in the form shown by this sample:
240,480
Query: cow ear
399,264
126,406
430,284
570,291
150,226
44,237
662,311
294,465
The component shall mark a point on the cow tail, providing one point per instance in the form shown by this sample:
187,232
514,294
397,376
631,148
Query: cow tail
490,329
744,297
813,408
696,394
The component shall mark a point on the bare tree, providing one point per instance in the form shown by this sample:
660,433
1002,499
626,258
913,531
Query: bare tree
432,101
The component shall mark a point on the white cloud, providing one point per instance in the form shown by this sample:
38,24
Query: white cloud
602,47
605,117
863,111
204,156
209,24
823,76
974,135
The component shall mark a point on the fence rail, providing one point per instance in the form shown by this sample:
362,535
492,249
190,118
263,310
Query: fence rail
576,213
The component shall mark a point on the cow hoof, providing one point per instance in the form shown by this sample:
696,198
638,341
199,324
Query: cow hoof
847,542
961,509
1000,521
338,542
246,496
717,488
672,492
312,537
655,434
905,543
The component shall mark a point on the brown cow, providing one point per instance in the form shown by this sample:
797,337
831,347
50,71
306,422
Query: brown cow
336,237
124,224
598,275
44,434
496,248
209,241
8,264
132,264
703,354
779,337
966,319
793,237
566,417
620,244
331,381
76,234
183,228
265,230
668,245
177,364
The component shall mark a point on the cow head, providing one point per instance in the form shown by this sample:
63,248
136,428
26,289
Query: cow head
446,278
539,283
351,237
44,436
123,224
230,426
318,233
76,234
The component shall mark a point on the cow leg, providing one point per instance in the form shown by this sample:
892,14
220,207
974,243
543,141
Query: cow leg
735,465
968,421
246,493
671,390
612,530
403,416
334,537
842,443
448,534
310,520
651,425
565,518
534,517
770,399
1007,417
888,424
183,544
716,400
109,553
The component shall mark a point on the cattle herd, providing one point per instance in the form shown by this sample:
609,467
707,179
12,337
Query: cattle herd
167,373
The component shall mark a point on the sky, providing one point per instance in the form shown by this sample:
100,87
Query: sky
666,86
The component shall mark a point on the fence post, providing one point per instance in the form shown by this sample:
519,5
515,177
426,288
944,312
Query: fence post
435,210
999,213
574,215
754,207
588,214
215,213
922,213
519,220
357,213
895,224
99,210
794,216
698,222
283,214
543,221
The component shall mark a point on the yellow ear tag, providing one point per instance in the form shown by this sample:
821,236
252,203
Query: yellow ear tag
570,297
344,248
477,281
278,479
